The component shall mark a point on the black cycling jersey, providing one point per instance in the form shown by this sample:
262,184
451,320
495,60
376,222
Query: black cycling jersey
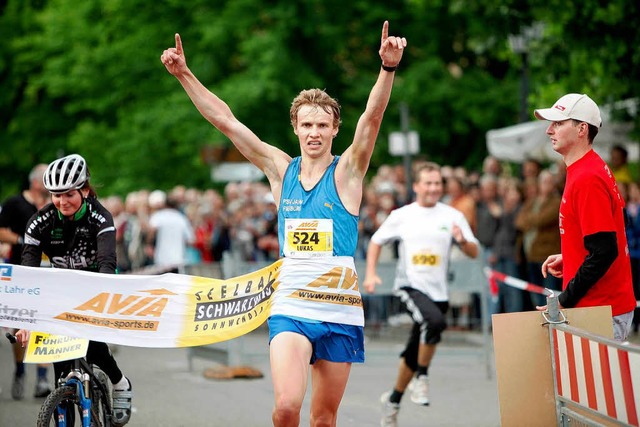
86,242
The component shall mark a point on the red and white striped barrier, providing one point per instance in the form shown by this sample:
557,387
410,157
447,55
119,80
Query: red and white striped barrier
495,277
598,376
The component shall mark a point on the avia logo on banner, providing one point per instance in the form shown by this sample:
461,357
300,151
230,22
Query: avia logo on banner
337,278
333,283
142,310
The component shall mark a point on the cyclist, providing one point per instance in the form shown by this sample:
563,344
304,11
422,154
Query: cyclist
85,239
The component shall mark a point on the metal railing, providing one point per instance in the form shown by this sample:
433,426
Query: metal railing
596,379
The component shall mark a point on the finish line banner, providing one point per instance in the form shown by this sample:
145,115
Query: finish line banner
168,310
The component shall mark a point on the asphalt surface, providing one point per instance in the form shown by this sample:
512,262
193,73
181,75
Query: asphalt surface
463,389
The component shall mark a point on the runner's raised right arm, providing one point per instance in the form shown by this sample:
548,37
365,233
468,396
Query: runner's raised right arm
269,159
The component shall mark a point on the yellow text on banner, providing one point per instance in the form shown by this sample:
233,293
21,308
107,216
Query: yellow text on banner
50,348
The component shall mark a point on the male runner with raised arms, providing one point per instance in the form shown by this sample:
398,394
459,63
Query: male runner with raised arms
317,312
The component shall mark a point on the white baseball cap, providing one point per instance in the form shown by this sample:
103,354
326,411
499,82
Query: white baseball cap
572,106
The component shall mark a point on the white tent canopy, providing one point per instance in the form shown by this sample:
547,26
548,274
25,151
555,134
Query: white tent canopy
529,140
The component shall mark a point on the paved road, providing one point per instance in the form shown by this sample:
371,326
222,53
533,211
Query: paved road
168,393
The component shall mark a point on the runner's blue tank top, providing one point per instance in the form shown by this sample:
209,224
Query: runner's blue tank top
321,202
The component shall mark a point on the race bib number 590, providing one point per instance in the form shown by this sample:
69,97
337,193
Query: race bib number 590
425,259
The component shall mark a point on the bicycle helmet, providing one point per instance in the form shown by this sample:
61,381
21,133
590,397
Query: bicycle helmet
66,174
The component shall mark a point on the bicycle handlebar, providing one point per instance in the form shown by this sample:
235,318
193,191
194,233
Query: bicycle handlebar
12,338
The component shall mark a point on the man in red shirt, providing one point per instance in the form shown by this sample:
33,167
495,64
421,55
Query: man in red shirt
594,260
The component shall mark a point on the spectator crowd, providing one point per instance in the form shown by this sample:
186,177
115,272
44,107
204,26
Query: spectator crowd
513,212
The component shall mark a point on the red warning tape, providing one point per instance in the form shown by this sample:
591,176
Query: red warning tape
495,277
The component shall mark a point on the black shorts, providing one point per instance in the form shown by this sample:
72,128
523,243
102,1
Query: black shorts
429,322
98,353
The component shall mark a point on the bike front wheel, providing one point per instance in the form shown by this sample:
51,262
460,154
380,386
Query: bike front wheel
66,396
101,400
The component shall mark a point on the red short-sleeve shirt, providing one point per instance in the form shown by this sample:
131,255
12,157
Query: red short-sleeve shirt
590,204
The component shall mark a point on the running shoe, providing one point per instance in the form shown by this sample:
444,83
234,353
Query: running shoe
17,389
42,388
389,411
420,391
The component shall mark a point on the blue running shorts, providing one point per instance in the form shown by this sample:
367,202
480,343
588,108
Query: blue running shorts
334,342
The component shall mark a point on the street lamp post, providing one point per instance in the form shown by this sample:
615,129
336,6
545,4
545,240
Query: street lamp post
406,158
405,143
524,89
520,44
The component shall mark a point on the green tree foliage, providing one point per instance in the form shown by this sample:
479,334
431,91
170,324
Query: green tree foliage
86,76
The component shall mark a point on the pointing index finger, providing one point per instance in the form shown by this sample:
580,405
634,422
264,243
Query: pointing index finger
385,31
178,44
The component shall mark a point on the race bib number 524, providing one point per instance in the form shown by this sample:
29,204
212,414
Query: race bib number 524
308,238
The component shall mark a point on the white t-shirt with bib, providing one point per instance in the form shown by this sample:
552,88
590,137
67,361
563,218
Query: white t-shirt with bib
425,236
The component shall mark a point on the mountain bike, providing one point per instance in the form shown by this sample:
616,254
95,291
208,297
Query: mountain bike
85,387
